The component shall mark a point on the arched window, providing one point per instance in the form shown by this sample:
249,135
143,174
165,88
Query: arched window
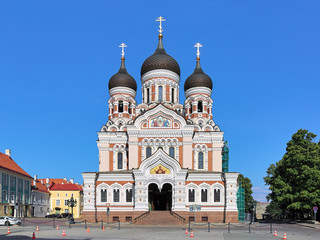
216,195
204,195
171,152
148,152
129,108
116,195
129,195
160,93
120,106
191,195
200,106
200,160
172,95
191,108
103,195
148,95
120,160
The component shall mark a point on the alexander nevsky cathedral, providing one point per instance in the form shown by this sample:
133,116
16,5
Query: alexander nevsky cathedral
160,159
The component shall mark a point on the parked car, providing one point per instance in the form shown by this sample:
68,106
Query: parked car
8,221
66,215
53,215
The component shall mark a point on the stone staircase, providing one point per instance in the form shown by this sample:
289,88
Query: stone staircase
160,218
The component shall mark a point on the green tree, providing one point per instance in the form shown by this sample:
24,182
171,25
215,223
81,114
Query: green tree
247,185
295,180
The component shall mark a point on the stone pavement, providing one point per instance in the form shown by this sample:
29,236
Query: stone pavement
294,232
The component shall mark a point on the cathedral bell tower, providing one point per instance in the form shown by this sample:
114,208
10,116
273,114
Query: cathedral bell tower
122,89
198,103
160,77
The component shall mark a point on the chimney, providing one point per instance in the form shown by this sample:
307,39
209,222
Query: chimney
35,177
65,179
41,181
72,180
34,182
8,152
47,180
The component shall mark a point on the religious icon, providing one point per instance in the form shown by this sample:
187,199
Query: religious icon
160,122
160,171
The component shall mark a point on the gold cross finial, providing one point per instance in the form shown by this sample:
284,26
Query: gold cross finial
122,45
160,19
198,46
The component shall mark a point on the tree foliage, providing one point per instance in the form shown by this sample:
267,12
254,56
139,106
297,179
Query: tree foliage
295,180
247,185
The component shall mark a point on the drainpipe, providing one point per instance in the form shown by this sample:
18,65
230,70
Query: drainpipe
225,196
95,198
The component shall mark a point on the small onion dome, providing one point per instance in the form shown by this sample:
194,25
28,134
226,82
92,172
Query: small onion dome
198,78
122,78
160,60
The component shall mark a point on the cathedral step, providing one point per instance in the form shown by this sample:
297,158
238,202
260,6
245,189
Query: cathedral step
159,218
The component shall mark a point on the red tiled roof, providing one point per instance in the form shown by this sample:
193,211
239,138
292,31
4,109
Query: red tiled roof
6,162
68,186
41,187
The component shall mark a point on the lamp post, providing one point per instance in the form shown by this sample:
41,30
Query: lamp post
254,203
72,203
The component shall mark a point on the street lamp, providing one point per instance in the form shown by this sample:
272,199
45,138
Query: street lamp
254,203
71,203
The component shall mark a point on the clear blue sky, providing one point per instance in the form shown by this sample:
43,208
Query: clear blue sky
56,58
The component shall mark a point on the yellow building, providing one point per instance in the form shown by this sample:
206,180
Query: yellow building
60,194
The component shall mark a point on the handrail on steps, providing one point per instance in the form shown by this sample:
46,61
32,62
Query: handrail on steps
176,215
142,216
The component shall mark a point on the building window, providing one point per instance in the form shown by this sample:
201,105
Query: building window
216,195
57,202
172,95
41,209
5,179
204,195
19,197
12,182
5,195
66,194
20,184
200,106
129,108
160,93
120,106
200,160
191,195
120,161
148,152
66,211
103,195
148,95
58,194
191,110
41,198
12,197
129,195
66,202
116,195
171,152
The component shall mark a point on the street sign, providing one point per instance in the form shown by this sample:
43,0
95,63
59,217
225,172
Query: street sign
108,204
315,208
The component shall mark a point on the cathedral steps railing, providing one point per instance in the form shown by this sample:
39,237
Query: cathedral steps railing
178,217
141,217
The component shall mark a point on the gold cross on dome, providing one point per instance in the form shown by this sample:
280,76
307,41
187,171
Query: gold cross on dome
122,45
160,19
198,46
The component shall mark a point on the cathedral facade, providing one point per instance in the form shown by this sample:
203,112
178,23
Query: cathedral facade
160,155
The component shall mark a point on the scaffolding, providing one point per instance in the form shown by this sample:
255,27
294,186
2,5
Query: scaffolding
241,203
225,157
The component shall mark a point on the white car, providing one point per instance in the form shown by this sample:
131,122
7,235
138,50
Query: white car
7,221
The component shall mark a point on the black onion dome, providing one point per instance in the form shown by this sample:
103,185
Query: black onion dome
198,79
122,78
160,60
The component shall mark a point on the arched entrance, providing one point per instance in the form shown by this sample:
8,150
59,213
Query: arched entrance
160,200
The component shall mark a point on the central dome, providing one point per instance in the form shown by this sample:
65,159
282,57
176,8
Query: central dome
160,60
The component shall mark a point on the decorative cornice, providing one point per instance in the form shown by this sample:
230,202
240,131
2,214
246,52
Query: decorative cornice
160,73
122,90
198,90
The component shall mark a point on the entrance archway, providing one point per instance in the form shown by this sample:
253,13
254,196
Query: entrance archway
160,200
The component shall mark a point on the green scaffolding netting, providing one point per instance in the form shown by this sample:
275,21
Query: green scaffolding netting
241,203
